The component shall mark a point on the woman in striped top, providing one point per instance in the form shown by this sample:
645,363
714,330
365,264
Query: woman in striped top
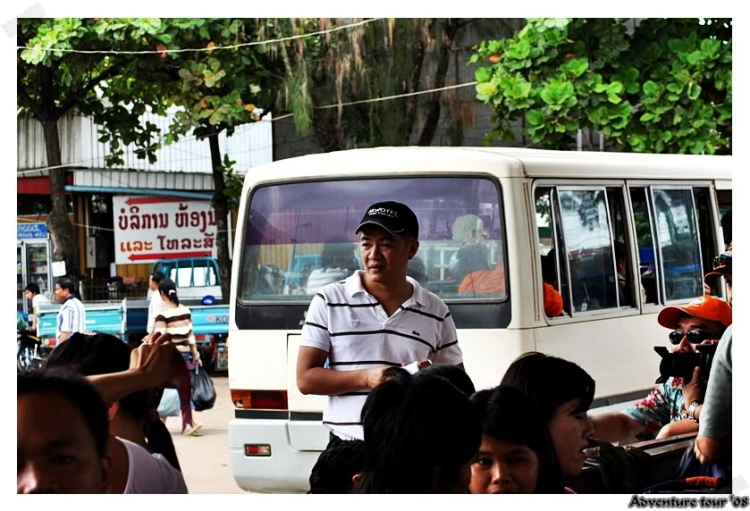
176,320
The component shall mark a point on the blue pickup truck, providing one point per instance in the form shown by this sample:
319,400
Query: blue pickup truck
127,320
198,281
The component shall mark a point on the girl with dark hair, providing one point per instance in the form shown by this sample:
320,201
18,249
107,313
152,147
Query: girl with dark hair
563,393
453,374
144,457
176,320
421,435
517,455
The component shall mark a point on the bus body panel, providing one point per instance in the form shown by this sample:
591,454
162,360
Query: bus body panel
258,360
266,359
287,469
633,365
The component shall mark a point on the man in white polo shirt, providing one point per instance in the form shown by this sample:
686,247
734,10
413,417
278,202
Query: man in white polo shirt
72,315
375,319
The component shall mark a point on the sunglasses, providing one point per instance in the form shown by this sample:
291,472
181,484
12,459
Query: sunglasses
694,336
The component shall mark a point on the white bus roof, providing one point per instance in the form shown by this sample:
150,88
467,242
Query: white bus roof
499,161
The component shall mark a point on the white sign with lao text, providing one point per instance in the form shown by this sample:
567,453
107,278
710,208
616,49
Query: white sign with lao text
151,228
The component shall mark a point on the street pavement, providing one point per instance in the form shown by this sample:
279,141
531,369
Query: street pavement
205,459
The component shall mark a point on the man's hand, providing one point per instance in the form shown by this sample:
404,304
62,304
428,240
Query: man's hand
314,378
373,377
695,390
152,360
150,366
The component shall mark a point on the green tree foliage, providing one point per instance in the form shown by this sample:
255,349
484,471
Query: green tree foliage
665,87
380,59
216,90
51,84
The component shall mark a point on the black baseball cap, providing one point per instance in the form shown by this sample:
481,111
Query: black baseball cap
394,217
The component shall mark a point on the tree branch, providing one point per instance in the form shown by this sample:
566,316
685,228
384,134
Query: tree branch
30,103
82,93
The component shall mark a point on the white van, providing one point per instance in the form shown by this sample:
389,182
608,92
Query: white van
635,232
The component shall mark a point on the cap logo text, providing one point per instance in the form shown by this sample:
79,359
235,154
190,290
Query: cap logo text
383,211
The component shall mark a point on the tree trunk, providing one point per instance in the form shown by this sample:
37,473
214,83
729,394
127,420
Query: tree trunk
328,132
410,110
450,27
59,226
221,209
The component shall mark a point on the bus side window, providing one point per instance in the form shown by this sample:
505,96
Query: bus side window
554,275
623,258
678,243
708,234
589,248
724,197
645,239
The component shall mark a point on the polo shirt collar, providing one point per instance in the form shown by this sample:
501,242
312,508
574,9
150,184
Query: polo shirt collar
419,296
354,285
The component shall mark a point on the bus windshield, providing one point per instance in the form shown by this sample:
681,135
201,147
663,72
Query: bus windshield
299,237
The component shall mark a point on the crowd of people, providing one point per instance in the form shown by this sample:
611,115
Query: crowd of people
399,425
91,420
403,413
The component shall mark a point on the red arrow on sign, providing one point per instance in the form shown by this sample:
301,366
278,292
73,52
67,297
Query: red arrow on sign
155,200
169,255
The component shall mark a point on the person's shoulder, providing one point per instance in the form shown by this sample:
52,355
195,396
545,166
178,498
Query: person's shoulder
71,303
728,339
434,302
334,290
151,473
171,479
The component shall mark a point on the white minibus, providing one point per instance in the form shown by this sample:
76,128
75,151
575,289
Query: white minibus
615,236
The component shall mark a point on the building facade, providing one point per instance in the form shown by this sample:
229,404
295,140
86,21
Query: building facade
181,172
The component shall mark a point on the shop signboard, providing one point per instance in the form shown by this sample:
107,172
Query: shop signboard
32,230
151,228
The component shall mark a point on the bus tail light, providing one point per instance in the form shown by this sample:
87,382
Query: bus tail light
260,399
257,450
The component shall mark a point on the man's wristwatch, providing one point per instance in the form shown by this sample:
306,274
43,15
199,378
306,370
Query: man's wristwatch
690,415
